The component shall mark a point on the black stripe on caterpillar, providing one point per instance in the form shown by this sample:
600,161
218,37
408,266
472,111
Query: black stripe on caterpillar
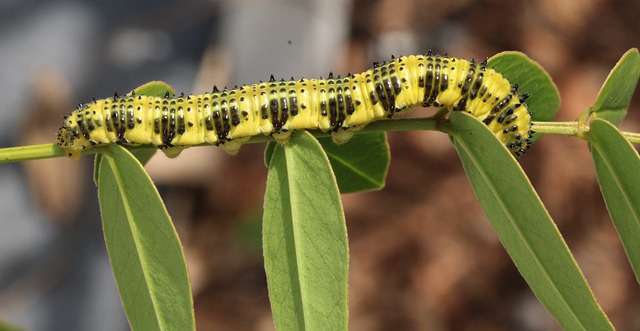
340,105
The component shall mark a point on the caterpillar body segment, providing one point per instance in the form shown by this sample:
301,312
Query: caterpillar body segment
340,105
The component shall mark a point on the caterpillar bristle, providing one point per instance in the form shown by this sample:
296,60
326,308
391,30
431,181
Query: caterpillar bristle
272,79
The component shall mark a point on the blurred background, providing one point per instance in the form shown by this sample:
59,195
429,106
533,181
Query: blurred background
425,258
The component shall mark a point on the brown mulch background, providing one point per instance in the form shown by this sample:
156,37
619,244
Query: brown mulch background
423,256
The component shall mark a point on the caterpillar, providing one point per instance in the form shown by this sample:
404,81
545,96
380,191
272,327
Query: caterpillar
341,105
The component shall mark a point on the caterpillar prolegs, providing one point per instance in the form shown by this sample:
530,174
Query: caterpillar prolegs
340,105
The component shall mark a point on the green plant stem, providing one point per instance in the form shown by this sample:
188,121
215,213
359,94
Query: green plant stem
573,128
633,137
31,152
44,151
565,128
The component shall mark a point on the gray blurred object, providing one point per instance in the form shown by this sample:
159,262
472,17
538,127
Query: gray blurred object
54,271
284,38
38,288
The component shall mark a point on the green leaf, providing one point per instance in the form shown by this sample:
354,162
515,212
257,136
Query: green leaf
544,98
615,95
145,253
617,165
142,154
154,89
97,162
268,152
305,239
524,226
360,164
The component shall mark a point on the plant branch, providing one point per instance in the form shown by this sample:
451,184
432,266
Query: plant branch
44,151
565,128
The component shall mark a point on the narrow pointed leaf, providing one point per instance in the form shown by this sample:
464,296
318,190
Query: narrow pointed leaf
617,165
145,253
142,154
524,226
305,239
615,95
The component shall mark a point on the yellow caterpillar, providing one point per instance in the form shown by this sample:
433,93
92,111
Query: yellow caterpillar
340,105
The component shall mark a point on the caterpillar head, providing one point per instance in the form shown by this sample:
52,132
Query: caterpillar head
519,141
71,140
515,132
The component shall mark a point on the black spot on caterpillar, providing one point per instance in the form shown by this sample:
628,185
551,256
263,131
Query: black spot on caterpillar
340,105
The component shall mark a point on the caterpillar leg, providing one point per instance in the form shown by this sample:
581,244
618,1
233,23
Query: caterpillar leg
232,147
282,137
343,135
443,113
74,154
173,151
